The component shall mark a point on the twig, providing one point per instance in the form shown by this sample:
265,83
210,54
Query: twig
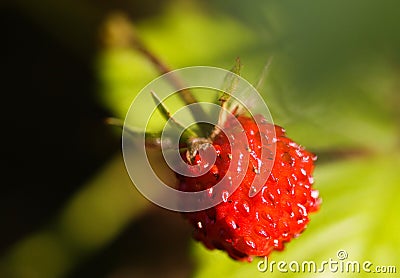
119,30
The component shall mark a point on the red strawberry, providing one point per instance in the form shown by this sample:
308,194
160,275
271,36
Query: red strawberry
246,226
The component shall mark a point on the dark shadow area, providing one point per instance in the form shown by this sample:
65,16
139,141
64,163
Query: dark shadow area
53,134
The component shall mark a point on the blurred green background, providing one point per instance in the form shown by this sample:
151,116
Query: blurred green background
68,208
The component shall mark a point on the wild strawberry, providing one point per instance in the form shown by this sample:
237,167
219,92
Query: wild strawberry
246,226
243,224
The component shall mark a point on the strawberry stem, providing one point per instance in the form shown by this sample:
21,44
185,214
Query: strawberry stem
185,94
119,31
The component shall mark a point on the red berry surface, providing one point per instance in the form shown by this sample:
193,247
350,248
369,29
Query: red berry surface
246,226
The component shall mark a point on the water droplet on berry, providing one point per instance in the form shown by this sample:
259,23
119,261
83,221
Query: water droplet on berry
225,195
314,157
267,197
314,194
285,229
300,221
293,144
263,191
230,221
242,207
299,153
217,149
249,242
302,209
246,207
303,171
199,225
260,230
268,217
